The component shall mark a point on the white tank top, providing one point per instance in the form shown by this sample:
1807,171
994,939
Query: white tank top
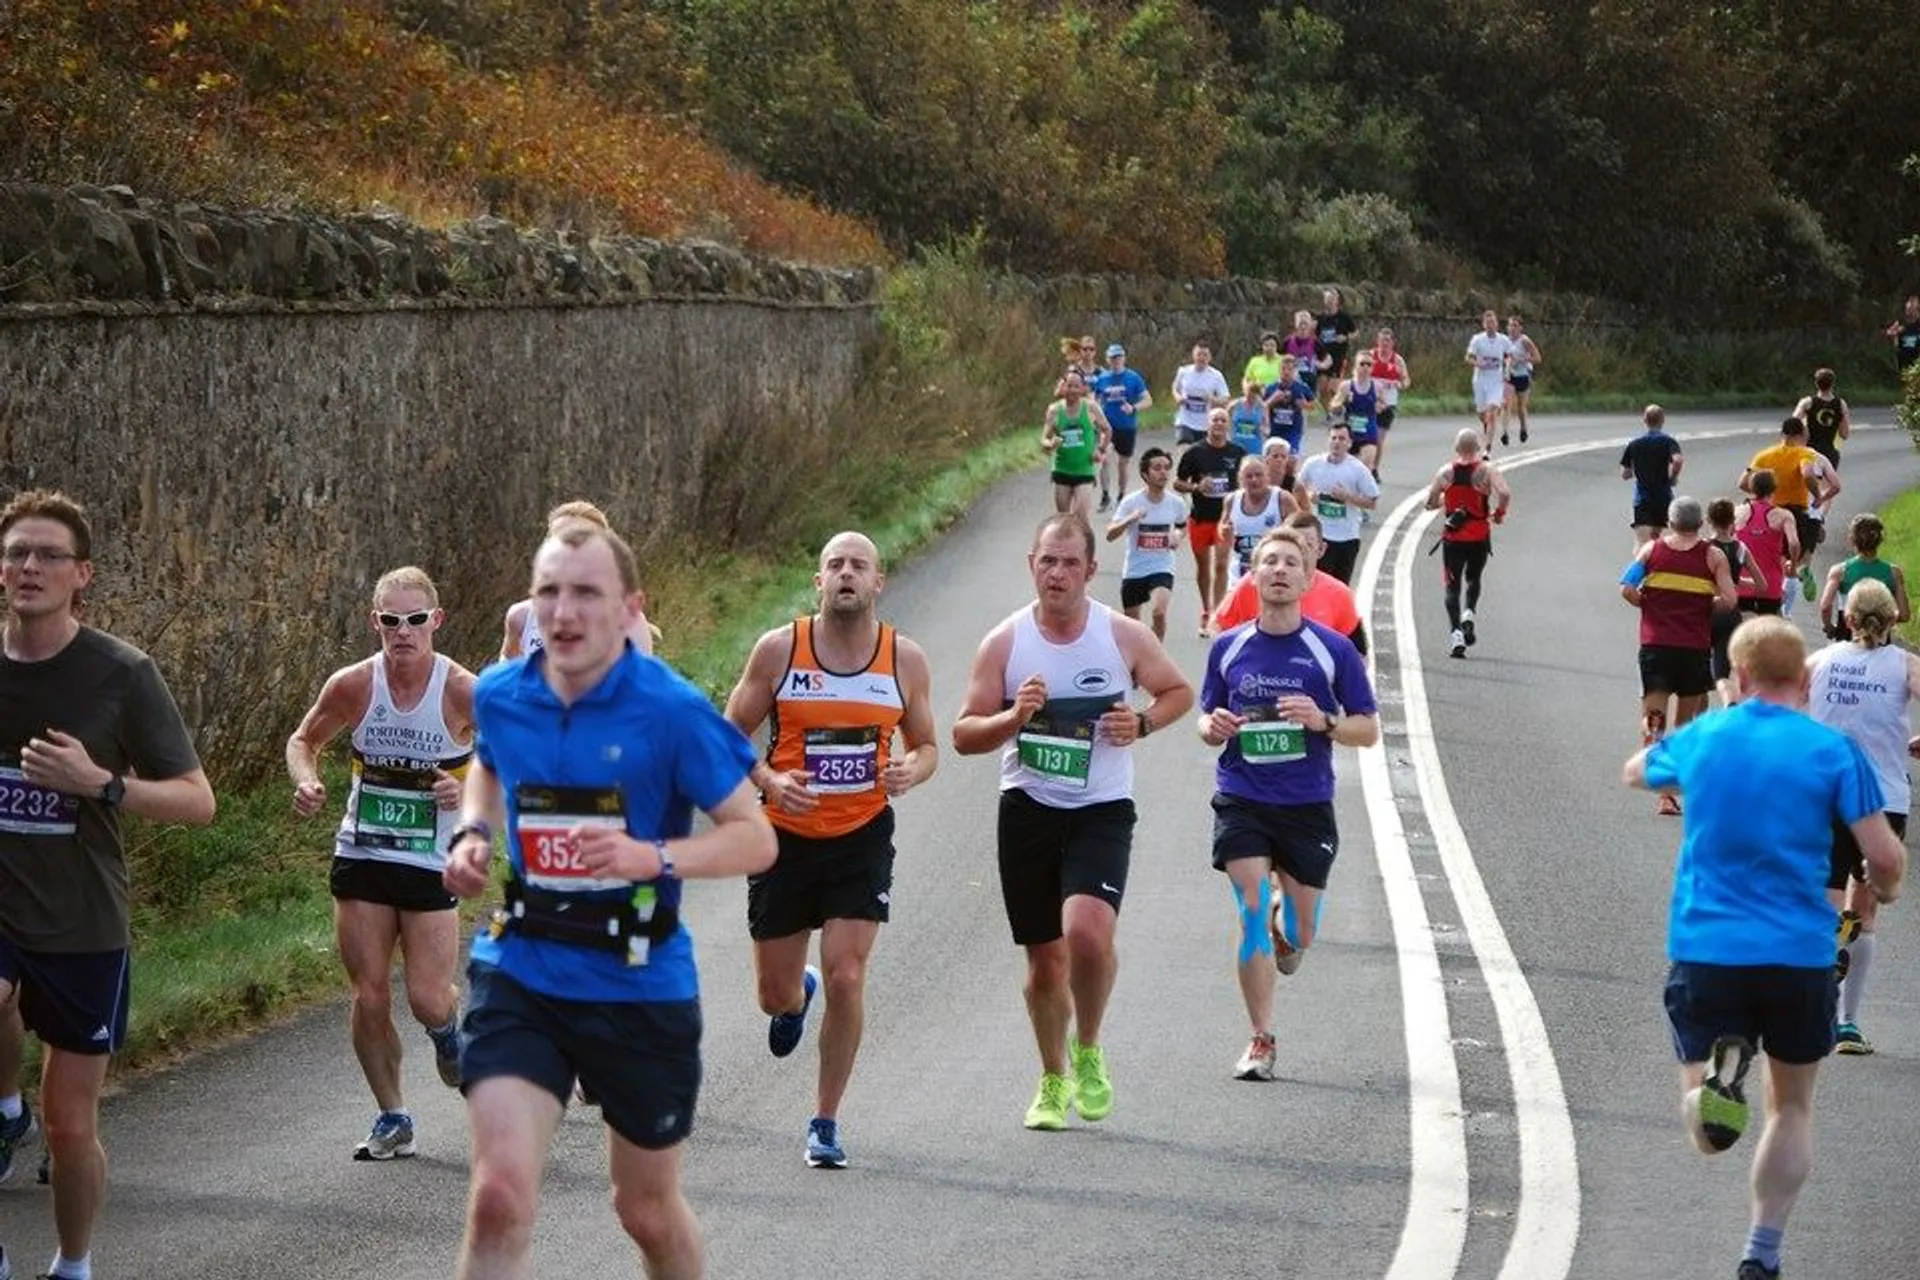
1248,530
531,641
391,815
1057,758
1863,693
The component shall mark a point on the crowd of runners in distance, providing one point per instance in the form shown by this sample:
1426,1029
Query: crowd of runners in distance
581,758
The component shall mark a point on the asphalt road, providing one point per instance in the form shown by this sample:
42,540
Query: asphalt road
1475,1078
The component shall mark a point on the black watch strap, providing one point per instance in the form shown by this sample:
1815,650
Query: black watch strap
114,790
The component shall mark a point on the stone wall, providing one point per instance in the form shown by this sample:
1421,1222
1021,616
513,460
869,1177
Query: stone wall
253,464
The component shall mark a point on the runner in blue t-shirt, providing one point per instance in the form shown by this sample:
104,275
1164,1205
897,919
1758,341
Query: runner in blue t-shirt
590,759
1750,932
1279,692
1287,402
1123,396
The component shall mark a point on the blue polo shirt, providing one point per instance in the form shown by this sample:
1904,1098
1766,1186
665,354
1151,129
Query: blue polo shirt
1117,393
1764,785
644,730
1248,671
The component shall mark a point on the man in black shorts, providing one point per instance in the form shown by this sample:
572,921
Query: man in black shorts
1652,461
1051,690
87,730
837,684
410,713
1676,581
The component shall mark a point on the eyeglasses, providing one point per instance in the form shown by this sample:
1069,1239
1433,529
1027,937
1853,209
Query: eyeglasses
394,621
48,555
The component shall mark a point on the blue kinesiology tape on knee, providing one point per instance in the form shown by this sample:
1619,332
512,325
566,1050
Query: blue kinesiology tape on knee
1291,923
1253,922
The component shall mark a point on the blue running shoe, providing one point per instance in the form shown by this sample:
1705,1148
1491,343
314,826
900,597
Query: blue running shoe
823,1144
392,1138
12,1133
785,1029
6,1268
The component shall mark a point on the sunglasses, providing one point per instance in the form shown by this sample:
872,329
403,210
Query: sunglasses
394,621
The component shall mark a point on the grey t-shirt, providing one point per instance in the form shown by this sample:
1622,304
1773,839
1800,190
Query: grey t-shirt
63,870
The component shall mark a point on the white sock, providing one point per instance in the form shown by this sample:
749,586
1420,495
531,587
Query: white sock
1854,989
65,1268
10,1107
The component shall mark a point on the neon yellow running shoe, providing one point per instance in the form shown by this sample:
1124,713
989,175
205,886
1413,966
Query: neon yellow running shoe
1093,1091
1049,1109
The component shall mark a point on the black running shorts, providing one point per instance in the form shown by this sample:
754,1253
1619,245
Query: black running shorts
847,877
1048,855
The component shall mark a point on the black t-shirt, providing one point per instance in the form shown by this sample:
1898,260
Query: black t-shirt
1651,457
1823,423
63,872
1218,470
1906,343
1332,333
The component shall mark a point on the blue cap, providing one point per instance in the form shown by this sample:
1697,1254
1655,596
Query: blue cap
1115,350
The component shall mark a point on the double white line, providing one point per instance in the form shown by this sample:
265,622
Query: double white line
1547,1221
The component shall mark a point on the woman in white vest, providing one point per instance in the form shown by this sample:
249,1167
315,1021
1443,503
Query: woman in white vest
410,711
1862,687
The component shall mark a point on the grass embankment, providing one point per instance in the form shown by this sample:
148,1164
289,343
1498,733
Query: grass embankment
1902,547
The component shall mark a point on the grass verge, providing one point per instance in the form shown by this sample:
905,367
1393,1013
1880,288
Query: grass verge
1902,547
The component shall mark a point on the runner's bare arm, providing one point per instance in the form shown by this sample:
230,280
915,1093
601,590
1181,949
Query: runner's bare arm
984,723
342,701
739,843
456,703
751,701
1154,673
1884,853
1903,611
917,730
1829,597
511,627
1438,488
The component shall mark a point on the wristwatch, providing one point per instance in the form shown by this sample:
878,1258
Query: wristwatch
114,790
1333,721
666,859
473,828
1146,725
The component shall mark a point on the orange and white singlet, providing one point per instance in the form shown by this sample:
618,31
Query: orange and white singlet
838,727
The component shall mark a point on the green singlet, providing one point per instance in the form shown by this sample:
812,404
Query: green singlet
1074,457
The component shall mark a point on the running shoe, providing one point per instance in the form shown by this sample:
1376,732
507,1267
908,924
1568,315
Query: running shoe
1523,433
1848,931
1050,1103
1286,956
6,1268
12,1133
823,1144
1457,643
45,1175
1754,1269
1667,806
1092,1090
446,1053
1257,1062
1466,626
392,1138
785,1029
1848,1040
1807,588
1105,500
1716,1110
1503,437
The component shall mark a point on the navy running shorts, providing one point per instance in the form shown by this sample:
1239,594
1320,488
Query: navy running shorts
640,1062
1684,673
73,1000
1300,840
1787,1012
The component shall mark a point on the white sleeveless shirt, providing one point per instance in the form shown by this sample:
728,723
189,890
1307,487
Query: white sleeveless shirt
1057,758
391,815
531,641
1248,529
1863,693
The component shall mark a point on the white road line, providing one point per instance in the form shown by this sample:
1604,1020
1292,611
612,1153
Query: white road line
1435,1230
1547,1221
